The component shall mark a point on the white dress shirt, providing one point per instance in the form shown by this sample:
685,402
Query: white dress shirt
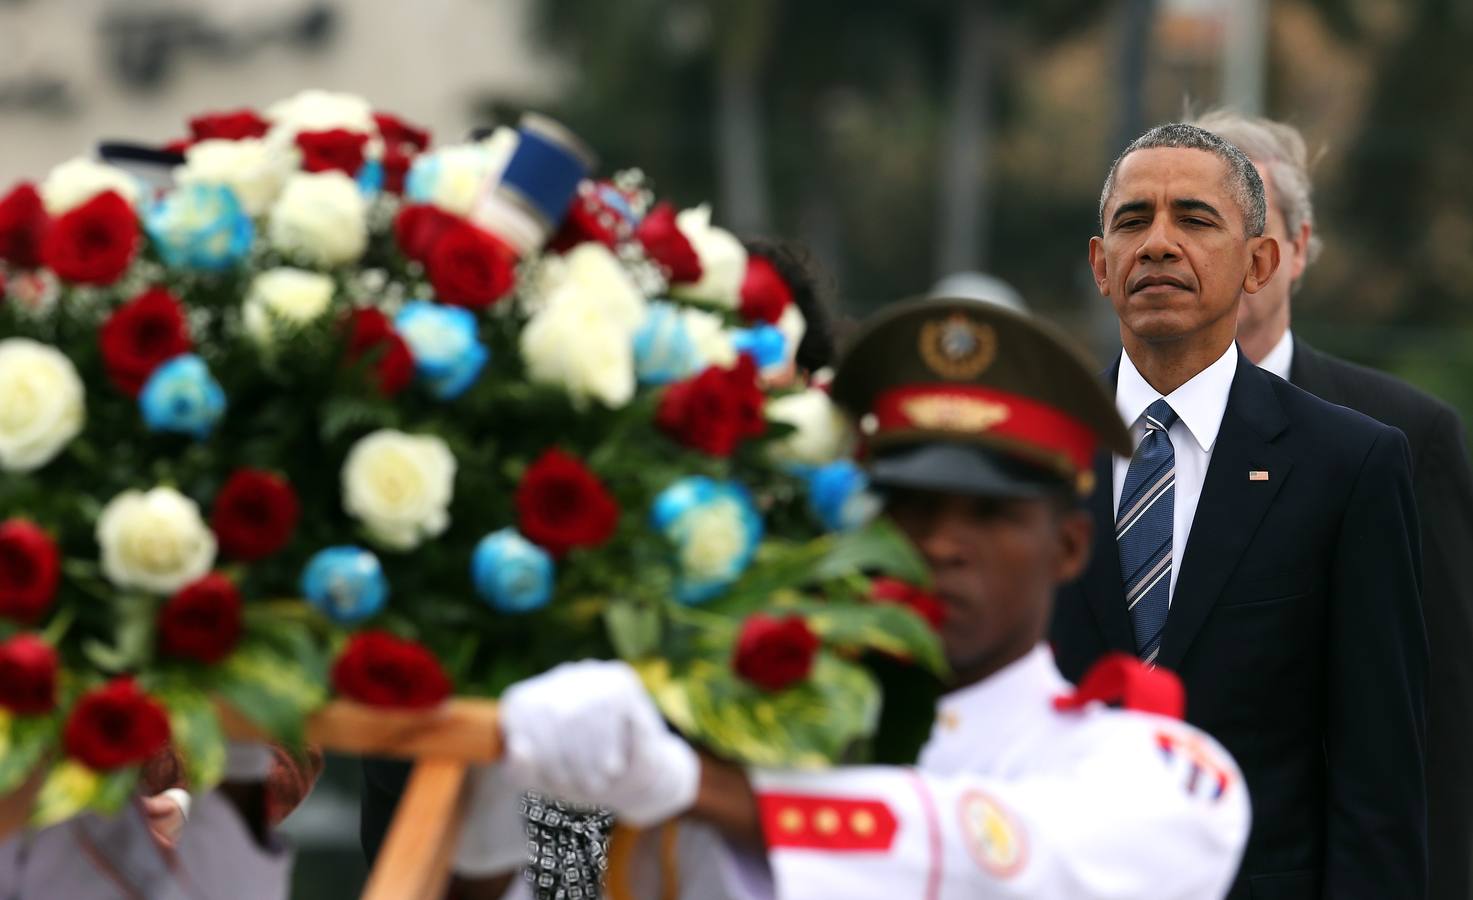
1281,357
1199,405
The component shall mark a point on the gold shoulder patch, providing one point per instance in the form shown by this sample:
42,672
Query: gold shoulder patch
996,841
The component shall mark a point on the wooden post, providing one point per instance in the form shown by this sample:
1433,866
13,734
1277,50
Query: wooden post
415,861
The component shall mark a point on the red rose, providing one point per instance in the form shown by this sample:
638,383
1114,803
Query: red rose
561,505
202,621
372,334
381,670
27,675
773,652
140,335
588,219
470,267
22,225
921,602
765,295
93,243
30,570
255,514
418,228
714,411
396,169
115,725
337,150
230,126
396,132
665,243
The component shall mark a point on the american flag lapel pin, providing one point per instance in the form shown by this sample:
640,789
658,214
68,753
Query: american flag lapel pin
1257,475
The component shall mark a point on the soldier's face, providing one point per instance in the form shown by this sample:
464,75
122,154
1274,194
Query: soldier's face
996,564
1174,255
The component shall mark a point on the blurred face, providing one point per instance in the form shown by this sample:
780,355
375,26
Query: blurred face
1269,307
1174,257
996,565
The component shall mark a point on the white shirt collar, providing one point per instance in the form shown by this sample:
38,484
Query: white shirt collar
1281,358
1200,403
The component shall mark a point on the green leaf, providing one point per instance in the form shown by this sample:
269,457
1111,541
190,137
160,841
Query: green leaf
809,725
886,627
195,733
272,691
72,788
634,629
24,741
879,547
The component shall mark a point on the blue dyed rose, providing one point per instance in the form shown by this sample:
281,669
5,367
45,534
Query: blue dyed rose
182,396
715,529
370,178
346,584
445,343
664,350
200,226
511,573
839,496
764,343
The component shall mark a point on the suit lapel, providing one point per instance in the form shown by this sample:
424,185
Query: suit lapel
1231,507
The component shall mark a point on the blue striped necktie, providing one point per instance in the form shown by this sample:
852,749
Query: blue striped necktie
1143,530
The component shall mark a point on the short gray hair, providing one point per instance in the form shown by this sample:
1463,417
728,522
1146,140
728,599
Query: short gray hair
1243,180
1280,149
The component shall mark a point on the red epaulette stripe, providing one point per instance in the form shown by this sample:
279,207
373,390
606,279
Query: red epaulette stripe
804,821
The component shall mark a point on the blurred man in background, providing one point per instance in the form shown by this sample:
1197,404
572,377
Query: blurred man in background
1440,478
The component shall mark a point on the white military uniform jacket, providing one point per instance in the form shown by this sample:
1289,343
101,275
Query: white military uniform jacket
1011,798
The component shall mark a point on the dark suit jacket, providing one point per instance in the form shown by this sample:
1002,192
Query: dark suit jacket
1296,628
1444,489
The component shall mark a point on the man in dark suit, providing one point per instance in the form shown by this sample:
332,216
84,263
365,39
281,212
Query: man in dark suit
1440,478
1261,542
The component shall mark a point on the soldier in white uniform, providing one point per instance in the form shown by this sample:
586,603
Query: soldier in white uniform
982,425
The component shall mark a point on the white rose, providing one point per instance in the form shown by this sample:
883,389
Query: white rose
78,180
43,406
399,486
288,295
793,326
823,434
591,273
251,168
156,542
715,540
314,110
452,178
711,339
723,259
578,346
322,217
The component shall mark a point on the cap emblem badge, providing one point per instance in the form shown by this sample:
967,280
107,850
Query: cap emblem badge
957,347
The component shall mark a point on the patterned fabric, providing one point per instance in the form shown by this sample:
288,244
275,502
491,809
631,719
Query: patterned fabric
567,848
1143,530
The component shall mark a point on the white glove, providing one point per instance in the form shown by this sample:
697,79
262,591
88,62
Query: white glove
588,733
493,839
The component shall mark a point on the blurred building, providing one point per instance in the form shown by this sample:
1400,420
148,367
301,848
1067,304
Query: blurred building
73,71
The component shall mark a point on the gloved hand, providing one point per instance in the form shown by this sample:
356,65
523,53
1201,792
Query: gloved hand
588,733
493,839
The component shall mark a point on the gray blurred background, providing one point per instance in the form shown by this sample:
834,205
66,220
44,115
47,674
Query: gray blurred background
903,141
